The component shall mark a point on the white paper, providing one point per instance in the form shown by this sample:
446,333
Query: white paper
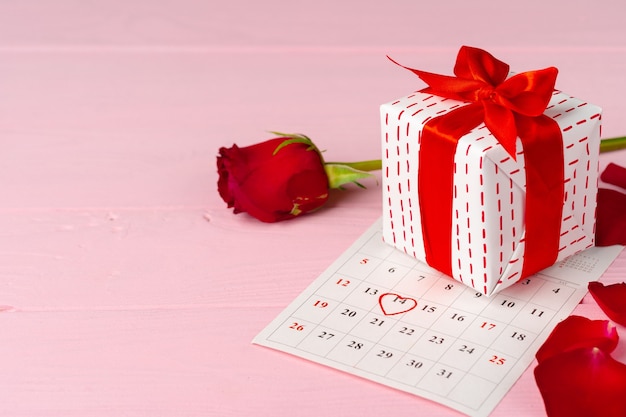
382,315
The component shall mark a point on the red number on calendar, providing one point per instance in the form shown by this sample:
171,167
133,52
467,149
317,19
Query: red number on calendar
498,360
296,326
320,304
488,326
364,261
343,282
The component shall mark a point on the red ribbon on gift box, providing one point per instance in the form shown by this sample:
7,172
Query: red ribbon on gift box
510,108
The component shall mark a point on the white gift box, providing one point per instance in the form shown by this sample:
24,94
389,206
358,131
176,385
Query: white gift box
487,230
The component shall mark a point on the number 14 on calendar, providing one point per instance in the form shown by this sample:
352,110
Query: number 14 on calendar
384,316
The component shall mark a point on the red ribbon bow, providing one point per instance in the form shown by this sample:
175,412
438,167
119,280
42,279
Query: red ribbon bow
510,108
498,102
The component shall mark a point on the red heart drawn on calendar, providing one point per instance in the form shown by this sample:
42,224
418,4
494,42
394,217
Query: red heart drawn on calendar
392,304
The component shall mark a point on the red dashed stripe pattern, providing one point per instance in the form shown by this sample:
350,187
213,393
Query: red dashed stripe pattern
489,189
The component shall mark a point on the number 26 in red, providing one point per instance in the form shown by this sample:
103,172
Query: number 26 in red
296,326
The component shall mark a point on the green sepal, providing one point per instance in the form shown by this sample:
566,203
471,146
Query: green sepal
339,175
295,138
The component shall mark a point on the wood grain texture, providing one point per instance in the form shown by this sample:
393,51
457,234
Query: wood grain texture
126,286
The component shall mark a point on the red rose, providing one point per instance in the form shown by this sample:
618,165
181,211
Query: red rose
274,180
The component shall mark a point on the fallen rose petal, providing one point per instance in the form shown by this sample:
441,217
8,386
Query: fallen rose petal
611,299
611,218
577,332
615,175
582,383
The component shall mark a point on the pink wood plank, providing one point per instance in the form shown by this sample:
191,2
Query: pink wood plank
86,259
131,129
126,286
244,25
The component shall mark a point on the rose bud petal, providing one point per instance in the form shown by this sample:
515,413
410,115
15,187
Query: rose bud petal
582,383
272,180
611,299
577,332
611,218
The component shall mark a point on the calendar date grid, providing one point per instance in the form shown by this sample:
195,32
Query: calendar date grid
378,345
385,316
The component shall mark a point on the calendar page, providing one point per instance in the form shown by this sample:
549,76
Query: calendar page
382,315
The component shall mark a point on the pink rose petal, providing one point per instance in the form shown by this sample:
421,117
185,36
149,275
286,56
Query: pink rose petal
611,299
584,382
577,332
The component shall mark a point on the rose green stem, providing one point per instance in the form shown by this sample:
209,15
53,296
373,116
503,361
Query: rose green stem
606,145
371,165
612,144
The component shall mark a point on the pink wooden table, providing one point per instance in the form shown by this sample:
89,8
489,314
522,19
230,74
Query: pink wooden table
126,286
